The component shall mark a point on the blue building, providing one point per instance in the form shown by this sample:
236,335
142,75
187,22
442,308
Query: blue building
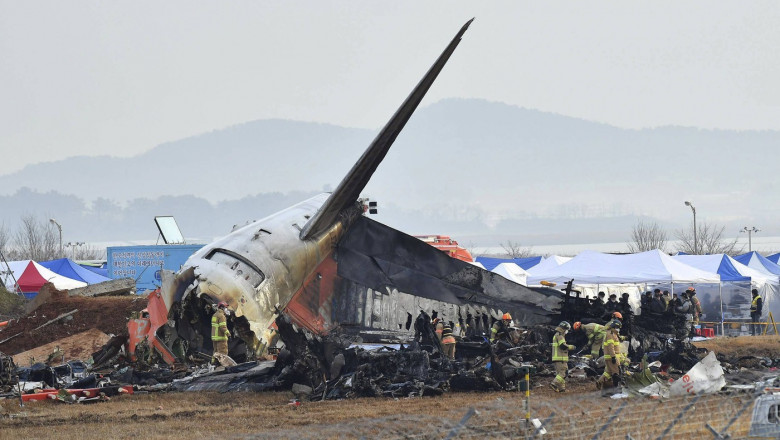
145,263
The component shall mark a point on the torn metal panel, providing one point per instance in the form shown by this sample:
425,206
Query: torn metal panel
387,260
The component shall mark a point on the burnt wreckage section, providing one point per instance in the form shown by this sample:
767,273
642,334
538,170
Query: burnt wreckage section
388,277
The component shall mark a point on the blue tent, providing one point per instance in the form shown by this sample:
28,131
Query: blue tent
70,269
757,261
719,263
525,263
775,258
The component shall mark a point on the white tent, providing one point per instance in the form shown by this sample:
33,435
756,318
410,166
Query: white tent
616,274
734,291
591,267
512,272
549,262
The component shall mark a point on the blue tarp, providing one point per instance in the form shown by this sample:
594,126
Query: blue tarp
775,258
70,269
525,263
747,258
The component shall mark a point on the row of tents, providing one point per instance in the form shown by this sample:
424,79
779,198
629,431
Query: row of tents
62,273
723,283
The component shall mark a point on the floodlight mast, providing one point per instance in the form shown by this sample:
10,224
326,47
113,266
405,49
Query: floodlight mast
750,232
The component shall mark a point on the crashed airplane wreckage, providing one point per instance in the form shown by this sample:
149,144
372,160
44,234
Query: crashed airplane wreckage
325,265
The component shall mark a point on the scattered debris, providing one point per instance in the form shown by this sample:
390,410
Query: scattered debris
78,346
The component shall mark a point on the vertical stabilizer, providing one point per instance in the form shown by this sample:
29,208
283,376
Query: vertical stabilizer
350,187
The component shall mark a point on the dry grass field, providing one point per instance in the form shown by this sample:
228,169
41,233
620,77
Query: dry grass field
762,346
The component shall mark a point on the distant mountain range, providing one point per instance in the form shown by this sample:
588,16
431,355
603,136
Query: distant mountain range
471,167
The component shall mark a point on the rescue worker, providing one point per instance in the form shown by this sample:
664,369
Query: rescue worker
500,329
219,330
595,333
696,305
612,357
560,356
666,298
448,341
686,308
756,307
438,327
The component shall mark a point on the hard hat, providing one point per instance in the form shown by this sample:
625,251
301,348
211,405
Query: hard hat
577,325
565,325
617,315
615,323
507,316
222,304
690,289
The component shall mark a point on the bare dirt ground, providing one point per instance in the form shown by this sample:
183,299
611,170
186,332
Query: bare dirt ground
108,314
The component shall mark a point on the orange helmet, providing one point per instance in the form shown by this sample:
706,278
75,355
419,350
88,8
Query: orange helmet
507,317
577,325
222,304
617,315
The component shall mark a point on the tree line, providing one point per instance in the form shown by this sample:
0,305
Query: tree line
39,240
646,236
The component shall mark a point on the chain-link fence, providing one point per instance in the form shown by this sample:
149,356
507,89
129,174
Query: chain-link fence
560,416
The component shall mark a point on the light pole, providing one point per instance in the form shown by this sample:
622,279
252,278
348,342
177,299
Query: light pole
750,232
59,226
74,245
695,236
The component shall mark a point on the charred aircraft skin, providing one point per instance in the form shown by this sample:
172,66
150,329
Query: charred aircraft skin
286,263
257,268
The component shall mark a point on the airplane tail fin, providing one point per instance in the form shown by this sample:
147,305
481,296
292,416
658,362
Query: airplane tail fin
350,187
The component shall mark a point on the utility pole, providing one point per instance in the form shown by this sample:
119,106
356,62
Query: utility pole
750,232
695,235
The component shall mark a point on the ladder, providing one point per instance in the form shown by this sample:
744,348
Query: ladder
6,272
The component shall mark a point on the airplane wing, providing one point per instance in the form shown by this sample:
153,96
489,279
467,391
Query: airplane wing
350,187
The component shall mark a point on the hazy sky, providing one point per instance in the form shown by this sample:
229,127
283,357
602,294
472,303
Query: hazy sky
119,77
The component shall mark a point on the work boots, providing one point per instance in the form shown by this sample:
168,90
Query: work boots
557,388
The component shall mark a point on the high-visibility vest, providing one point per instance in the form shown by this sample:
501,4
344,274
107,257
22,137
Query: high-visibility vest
754,304
560,349
611,345
592,330
218,326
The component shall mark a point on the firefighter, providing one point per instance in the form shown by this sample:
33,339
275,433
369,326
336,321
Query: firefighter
438,327
612,357
696,305
500,329
560,356
219,330
595,333
448,341
756,307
